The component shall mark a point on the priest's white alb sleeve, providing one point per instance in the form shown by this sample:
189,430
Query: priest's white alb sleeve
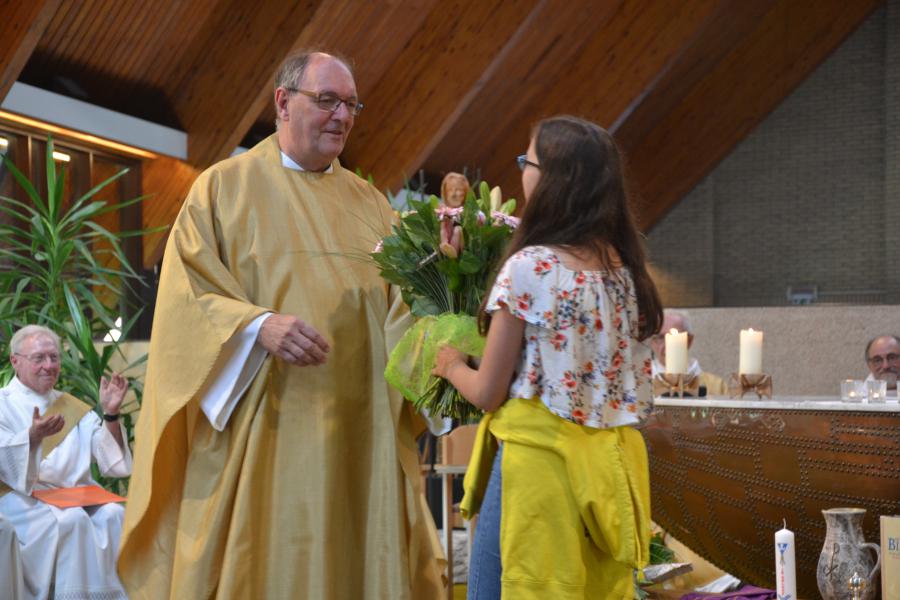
238,363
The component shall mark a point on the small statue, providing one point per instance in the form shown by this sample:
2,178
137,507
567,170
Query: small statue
454,188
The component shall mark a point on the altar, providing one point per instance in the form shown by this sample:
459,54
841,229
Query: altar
726,474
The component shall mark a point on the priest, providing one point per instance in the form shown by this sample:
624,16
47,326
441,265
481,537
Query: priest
49,439
272,459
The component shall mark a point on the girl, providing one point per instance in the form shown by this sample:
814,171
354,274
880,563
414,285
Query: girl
564,376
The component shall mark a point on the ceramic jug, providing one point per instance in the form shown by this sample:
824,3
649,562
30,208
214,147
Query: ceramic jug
846,552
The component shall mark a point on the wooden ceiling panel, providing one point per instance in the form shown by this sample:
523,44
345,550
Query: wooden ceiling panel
443,62
23,24
66,24
448,84
371,40
731,22
530,65
173,38
770,62
125,18
616,67
244,42
119,54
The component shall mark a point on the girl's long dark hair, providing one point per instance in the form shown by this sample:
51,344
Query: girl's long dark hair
580,202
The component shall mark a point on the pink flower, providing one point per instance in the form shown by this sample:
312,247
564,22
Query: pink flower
378,247
445,212
505,219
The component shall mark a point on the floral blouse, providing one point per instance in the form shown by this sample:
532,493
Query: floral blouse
580,355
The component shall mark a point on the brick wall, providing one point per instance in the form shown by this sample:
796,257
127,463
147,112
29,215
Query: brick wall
810,198
892,145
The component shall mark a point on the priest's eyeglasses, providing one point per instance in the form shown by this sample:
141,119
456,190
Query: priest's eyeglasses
877,361
331,102
522,161
39,359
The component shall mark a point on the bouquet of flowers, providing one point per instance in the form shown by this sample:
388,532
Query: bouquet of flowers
442,258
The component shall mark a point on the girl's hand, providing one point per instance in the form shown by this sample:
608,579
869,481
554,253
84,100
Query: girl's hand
447,358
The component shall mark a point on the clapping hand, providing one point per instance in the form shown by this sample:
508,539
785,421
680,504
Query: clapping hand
112,393
42,427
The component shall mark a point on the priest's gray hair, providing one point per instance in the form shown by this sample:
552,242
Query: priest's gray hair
878,337
685,319
290,73
28,332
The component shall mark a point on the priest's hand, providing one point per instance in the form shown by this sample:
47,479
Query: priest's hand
112,393
42,427
293,340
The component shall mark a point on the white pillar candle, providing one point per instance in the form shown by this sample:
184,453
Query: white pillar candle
676,352
750,360
785,566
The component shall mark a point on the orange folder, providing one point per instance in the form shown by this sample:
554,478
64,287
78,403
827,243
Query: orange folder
85,495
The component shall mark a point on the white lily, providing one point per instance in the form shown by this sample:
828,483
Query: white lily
496,198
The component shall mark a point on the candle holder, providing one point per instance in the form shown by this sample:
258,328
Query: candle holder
676,385
740,384
857,586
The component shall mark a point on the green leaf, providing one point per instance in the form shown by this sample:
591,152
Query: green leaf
53,200
23,181
78,217
58,191
422,307
75,310
99,187
110,207
470,263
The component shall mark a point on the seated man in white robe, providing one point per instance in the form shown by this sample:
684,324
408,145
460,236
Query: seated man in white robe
49,439
11,582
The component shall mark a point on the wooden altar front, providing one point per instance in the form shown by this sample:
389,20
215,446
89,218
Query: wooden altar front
724,474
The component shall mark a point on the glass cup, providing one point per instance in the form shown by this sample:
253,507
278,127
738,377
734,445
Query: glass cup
876,391
853,390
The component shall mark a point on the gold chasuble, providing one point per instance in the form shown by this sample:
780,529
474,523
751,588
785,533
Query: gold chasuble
313,489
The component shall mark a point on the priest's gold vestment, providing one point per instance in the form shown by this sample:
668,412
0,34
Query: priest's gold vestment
313,488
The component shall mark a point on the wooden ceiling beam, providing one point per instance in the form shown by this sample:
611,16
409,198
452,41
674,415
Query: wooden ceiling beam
730,23
552,37
724,106
615,68
21,26
445,62
227,74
